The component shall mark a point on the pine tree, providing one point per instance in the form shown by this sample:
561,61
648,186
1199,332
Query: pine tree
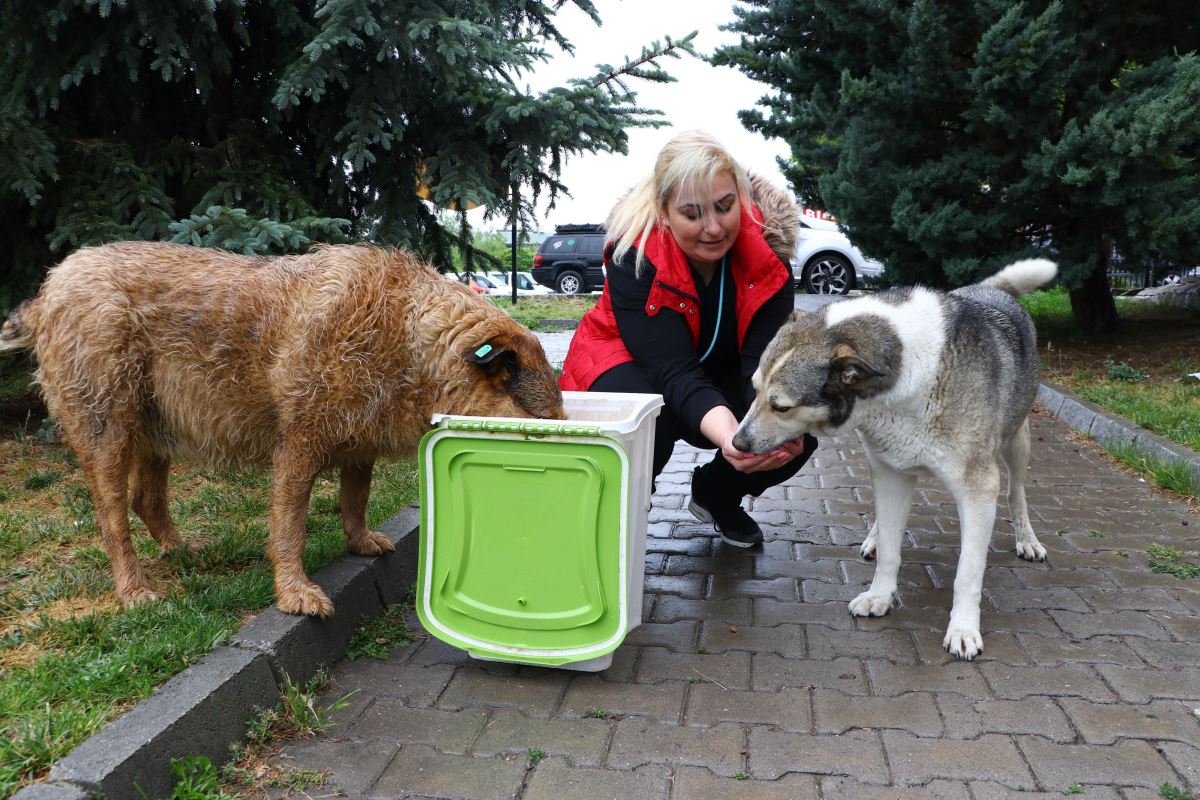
265,126
950,136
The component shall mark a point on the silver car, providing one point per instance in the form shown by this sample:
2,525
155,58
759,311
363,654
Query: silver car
825,262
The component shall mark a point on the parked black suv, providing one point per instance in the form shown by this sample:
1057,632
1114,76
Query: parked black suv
572,260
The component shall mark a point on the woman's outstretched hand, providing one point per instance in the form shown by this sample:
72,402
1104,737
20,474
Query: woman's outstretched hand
772,459
719,425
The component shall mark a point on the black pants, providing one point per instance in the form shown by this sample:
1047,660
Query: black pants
729,484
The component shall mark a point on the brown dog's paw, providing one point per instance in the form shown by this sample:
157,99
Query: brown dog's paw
373,544
306,599
139,595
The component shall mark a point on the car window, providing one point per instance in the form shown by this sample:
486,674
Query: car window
560,244
592,245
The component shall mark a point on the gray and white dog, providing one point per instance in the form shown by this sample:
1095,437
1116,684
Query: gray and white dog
933,382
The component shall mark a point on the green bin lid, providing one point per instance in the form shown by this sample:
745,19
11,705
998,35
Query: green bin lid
523,543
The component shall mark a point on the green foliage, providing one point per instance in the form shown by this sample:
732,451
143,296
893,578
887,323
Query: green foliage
197,780
380,636
1168,560
949,138
264,127
1120,371
91,667
1170,791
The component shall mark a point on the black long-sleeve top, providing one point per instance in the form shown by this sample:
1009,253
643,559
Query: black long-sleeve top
662,344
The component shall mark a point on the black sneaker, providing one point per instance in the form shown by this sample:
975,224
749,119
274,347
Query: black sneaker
734,524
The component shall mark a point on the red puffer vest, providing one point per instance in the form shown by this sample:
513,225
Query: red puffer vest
597,346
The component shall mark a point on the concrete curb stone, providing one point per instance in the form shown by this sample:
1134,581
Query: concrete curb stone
1088,418
204,709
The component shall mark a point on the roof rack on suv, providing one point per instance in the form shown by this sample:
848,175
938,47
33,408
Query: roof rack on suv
589,228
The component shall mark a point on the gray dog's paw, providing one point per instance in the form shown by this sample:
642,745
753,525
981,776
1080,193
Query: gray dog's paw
962,643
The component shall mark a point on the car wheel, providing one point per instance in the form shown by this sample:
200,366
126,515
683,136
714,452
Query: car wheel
570,282
828,273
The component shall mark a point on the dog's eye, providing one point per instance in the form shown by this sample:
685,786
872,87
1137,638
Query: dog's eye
780,408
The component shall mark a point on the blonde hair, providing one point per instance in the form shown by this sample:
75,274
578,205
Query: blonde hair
689,162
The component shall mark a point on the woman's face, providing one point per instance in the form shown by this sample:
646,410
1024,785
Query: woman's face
705,225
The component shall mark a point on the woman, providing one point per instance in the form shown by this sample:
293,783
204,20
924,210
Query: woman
698,284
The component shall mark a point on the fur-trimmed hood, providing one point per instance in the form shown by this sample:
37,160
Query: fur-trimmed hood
781,216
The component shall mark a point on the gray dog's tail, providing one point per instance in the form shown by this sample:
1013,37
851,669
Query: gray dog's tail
1022,277
20,328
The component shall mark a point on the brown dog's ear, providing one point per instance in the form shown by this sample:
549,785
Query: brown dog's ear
492,358
853,367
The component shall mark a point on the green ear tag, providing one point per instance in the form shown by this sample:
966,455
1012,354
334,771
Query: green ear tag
483,351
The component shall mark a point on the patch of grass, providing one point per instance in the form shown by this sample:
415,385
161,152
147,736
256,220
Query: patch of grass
1168,560
1123,372
530,311
380,636
535,755
298,715
1169,791
1172,410
71,659
40,480
1170,475
1074,788
598,712
197,779
1136,372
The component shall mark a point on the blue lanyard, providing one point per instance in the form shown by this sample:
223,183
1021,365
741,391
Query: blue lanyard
720,308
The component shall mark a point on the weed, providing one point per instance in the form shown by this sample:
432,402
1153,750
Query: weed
380,636
702,651
1169,791
197,780
1074,788
535,755
740,776
1123,372
1168,560
1095,534
40,480
598,712
300,717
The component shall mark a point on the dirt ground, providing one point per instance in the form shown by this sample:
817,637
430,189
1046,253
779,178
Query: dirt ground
1162,348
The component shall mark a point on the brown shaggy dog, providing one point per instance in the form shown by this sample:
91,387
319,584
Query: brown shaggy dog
150,352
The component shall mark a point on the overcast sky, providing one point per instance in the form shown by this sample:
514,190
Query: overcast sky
704,97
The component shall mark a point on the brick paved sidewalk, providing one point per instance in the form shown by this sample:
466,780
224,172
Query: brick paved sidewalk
749,679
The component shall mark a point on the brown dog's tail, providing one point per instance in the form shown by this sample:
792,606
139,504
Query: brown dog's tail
20,328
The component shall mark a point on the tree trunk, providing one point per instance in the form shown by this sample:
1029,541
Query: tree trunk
1092,303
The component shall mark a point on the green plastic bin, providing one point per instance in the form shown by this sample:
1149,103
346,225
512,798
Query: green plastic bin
533,532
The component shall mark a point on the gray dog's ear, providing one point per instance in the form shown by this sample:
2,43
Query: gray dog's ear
797,314
492,359
851,365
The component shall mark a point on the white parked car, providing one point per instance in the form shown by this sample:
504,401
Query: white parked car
825,262
526,285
